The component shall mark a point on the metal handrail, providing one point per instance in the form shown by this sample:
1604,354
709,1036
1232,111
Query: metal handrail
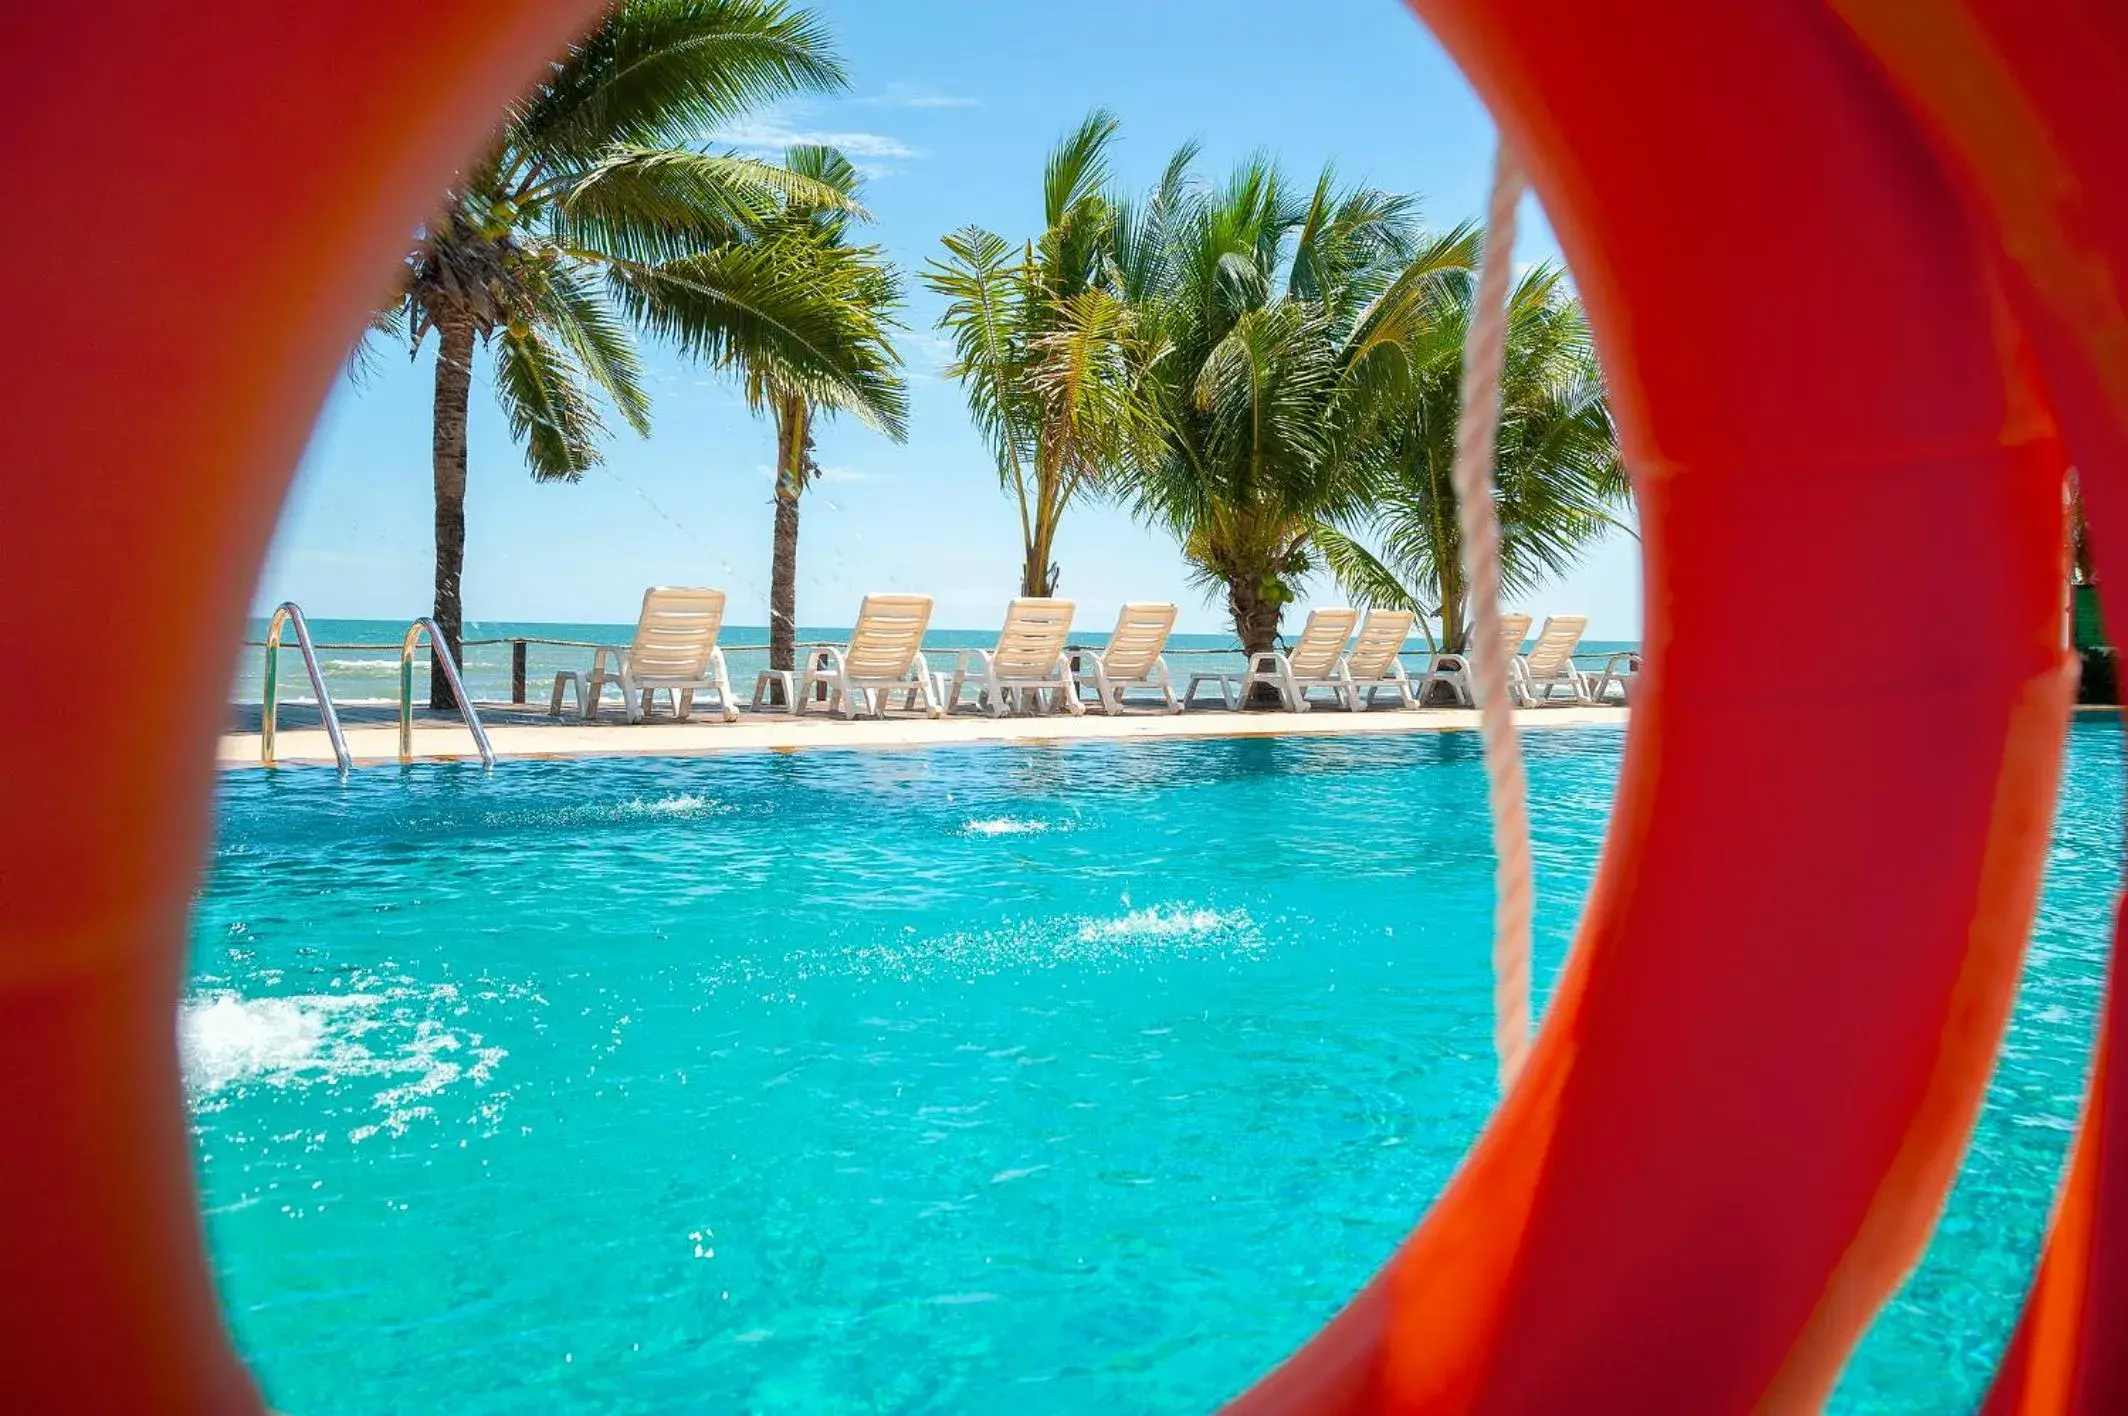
466,711
288,612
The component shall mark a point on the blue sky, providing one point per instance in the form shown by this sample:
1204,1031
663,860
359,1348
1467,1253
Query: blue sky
952,108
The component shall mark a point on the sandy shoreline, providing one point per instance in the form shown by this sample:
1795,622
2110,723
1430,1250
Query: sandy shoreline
519,731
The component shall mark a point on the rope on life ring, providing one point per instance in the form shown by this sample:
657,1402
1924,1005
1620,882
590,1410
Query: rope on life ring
1507,788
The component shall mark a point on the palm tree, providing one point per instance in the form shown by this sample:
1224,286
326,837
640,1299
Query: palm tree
2080,570
1560,482
812,236
593,208
1275,317
1044,348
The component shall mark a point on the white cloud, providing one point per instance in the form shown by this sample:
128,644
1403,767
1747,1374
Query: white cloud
772,135
933,350
905,95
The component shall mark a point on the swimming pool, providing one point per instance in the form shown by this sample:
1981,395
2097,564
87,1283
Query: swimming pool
1058,1076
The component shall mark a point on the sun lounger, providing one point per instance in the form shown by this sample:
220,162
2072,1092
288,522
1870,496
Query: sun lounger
1621,669
1134,657
1374,662
1549,665
675,649
1028,660
884,656
1310,664
1459,672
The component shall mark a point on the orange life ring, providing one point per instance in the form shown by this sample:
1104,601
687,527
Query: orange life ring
1852,263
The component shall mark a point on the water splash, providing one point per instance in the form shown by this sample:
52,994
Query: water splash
1168,922
1005,826
225,1039
230,1044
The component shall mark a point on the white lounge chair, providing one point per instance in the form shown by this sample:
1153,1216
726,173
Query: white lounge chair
884,656
1311,663
1029,659
1621,669
1132,658
1374,662
675,649
1459,671
1549,665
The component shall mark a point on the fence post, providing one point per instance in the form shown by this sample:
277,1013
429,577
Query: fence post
517,671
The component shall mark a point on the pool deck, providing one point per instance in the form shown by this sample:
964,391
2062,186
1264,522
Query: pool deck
521,731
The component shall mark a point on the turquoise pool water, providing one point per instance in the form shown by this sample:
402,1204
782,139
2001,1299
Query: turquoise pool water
1045,1078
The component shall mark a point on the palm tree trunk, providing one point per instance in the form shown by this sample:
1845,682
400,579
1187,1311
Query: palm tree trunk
1031,573
2079,534
1038,576
1256,618
791,437
454,384
1455,596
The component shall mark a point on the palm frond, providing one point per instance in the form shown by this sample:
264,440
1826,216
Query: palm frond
826,166
1365,577
597,339
548,407
986,294
814,326
1078,167
653,204
1143,231
391,323
837,182
1414,296
1082,373
667,73
1309,277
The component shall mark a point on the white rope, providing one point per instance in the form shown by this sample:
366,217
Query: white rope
1484,351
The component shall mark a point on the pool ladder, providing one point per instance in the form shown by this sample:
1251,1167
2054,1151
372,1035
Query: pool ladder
449,666
287,613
